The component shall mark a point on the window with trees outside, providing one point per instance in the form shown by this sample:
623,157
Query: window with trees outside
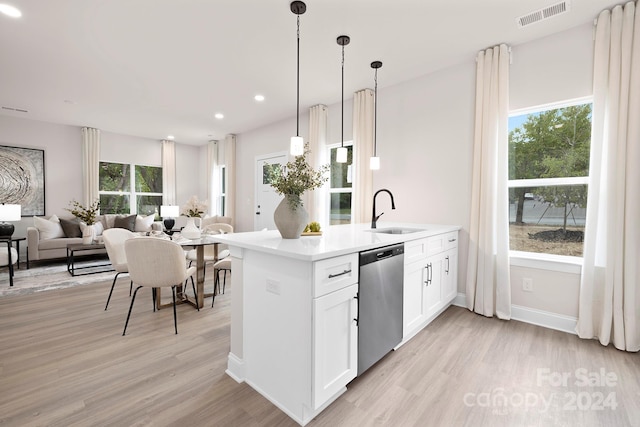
548,177
130,189
340,187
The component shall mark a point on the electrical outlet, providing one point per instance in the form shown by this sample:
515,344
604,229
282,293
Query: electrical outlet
273,286
527,284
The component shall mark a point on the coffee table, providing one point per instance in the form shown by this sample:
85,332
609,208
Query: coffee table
75,248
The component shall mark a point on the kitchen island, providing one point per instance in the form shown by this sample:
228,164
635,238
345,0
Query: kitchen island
294,307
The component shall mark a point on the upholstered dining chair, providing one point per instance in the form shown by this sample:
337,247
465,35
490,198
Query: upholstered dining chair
209,250
114,239
156,263
8,258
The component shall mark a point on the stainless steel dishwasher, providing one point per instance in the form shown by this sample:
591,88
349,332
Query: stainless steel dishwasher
379,303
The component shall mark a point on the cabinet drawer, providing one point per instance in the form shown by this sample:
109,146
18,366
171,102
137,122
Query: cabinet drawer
451,240
415,250
334,273
435,244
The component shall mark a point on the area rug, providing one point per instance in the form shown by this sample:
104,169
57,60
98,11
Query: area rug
45,277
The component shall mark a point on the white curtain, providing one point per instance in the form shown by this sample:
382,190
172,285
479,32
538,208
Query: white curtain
169,172
488,288
318,119
230,167
363,110
213,173
90,165
610,286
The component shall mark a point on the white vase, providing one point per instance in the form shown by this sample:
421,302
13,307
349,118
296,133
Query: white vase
87,235
191,230
290,222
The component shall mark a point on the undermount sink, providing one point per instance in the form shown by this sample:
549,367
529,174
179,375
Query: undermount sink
396,230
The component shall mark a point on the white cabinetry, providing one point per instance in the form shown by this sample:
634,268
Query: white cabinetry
430,280
300,336
335,342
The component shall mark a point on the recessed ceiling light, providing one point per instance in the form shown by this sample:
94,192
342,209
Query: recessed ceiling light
171,137
10,11
219,116
259,98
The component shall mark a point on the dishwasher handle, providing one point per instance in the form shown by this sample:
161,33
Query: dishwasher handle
384,254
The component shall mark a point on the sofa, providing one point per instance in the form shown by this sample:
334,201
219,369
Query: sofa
49,236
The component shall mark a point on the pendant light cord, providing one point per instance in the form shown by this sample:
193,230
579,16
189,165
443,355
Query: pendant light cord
342,111
375,114
298,83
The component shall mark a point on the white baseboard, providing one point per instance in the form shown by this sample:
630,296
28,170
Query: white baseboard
235,368
546,319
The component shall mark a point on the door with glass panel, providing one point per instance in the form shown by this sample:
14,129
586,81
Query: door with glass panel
266,197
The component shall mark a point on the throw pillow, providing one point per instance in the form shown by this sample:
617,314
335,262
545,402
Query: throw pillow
143,223
48,228
98,228
71,227
128,222
108,219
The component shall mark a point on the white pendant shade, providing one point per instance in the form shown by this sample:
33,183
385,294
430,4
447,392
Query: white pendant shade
341,155
297,146
374,163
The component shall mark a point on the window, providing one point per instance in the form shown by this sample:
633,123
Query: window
340,187
223,190
548,177
119,187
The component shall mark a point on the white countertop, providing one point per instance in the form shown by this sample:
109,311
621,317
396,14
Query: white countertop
335,240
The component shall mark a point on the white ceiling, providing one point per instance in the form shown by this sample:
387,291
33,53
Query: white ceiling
152,68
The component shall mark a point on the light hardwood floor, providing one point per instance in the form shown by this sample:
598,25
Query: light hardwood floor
63,362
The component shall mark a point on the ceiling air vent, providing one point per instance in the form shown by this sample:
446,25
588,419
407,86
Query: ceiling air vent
20,110
545,13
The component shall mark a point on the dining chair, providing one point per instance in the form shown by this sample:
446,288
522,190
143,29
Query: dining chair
156,263
223,265
210,250
114,239
8,258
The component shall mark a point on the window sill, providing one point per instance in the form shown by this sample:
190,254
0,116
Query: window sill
561,263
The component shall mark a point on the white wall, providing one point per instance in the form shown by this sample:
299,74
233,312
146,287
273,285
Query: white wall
270,139
63,167
144,151
425,142
62,145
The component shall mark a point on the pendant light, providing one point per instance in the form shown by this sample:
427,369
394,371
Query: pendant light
374,162
297,143
341,154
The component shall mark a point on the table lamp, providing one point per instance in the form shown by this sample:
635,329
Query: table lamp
8,213
168,213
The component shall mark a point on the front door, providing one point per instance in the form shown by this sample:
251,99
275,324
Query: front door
266,197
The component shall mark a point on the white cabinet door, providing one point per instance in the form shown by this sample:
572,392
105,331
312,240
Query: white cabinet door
433,283
450,276
413,311
335,343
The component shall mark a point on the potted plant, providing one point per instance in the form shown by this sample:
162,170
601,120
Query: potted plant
86,215
292,181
